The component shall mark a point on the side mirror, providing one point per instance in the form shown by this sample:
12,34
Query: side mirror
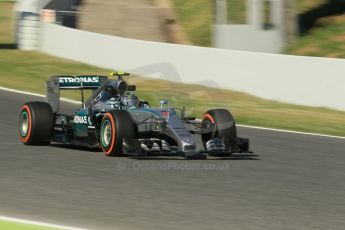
164,103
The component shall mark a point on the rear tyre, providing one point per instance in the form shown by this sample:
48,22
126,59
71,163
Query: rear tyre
36,123
115,126
224,125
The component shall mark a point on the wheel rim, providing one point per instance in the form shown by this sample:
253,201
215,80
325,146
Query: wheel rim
24,124
106,133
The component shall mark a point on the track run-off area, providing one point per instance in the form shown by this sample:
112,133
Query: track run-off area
293,181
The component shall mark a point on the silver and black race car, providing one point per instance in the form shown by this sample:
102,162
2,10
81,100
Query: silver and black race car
115,120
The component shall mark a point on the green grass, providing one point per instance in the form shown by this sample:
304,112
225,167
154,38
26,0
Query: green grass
29,71
326,40
6,25
196,16
305,5
236,11
196,19
8,225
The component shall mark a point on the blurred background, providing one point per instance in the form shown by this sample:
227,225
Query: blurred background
298,27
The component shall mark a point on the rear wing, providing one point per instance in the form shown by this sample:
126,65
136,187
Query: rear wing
57,83
80,82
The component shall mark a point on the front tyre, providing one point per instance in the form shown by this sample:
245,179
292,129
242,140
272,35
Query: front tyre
116,125
223,125
36,123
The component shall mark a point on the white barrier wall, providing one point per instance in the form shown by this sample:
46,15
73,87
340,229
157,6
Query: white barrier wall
298,80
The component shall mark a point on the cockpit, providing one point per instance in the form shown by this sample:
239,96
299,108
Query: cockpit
115,94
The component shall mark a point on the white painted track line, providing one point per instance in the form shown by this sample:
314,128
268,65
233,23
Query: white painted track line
38,95
244,126
38,223
290,131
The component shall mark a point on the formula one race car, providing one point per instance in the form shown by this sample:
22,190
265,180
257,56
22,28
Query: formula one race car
114,119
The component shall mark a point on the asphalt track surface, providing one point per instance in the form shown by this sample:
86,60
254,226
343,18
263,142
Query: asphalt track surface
295,182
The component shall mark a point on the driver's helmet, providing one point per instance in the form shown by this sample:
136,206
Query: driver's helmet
131,101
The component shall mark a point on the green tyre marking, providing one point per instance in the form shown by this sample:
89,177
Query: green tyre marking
106,122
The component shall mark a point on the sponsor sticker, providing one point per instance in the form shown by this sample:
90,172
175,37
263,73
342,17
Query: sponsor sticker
80,119
79,81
